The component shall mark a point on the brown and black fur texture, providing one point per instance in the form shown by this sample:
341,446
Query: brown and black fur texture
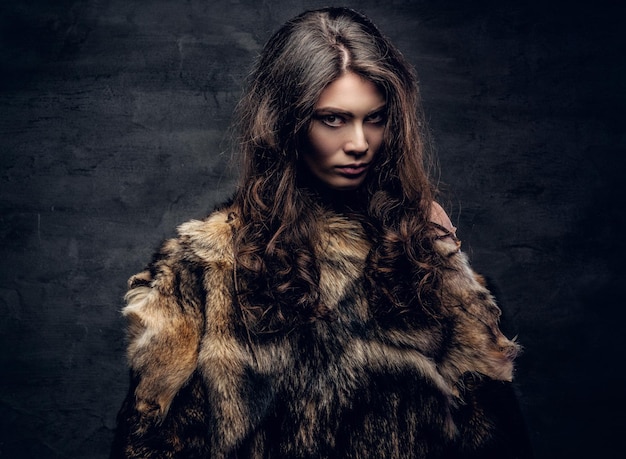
358,386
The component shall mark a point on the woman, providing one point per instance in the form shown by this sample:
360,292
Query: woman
327,310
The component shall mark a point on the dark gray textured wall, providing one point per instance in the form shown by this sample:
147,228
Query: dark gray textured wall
113,130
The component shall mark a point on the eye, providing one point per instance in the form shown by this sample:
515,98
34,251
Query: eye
376,118
330,119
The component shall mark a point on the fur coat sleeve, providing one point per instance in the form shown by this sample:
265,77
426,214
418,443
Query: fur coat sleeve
355,387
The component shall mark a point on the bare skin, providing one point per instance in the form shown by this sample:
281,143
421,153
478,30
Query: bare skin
346,132
345,135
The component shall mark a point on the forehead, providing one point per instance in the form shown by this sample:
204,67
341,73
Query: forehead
351,92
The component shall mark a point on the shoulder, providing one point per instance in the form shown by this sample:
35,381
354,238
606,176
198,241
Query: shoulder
445,232
210,239
439,216
198,243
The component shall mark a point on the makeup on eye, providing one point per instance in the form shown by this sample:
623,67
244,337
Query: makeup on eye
337,118
378,117
330,119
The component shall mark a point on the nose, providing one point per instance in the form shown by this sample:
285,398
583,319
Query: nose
357,143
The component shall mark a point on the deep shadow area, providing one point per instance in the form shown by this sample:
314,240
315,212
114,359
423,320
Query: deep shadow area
114,120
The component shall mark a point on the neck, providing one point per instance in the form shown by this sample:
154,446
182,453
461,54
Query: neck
341,201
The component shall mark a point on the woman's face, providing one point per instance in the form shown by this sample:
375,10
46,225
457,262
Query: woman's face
346,132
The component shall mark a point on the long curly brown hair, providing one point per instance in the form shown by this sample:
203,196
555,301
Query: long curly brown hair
280,213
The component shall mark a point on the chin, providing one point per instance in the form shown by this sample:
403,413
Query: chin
344,187
341,185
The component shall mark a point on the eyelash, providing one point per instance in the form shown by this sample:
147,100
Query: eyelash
377,118
334,121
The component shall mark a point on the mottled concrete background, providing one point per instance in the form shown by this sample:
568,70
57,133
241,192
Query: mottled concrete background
114,123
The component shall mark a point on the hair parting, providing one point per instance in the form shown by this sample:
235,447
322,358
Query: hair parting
280,215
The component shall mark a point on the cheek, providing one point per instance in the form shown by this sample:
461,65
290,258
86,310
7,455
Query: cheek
321,144
376,140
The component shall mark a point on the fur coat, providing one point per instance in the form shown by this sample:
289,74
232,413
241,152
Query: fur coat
354,387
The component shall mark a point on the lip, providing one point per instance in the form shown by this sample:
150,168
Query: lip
353,169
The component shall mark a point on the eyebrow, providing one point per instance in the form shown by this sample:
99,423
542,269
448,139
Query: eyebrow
339,111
